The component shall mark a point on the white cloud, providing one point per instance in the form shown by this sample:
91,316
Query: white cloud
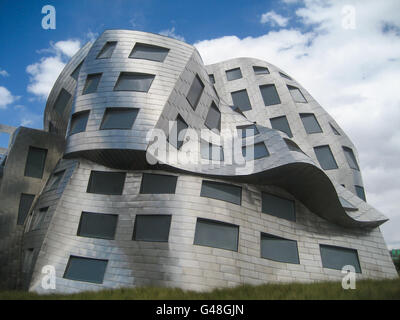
6,97
3,73
171,33
274,19
44,73
353,74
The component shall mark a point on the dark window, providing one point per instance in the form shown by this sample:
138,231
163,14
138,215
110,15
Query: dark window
97,225
211,151
78,122
279,249
335,131
213,120
56,179
216,234
347,205
195,91
260,151
241,100
35,162
62,101
152,228
158,183
75,73
260,70
292,145
233,74
92,81
104,182
149,52
337,257
25,203
221,191
212,78
351,159
360,192
119,118
269,94
107,50
310,123
39,218
85,269
281,124
278,207
178,126
296,94
248,130
133,81
325,157
285,76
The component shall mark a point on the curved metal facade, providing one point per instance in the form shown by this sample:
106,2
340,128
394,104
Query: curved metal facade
327,209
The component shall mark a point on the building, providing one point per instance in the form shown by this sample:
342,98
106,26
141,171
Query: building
93,196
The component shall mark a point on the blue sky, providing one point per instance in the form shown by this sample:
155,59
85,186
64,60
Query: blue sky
351,70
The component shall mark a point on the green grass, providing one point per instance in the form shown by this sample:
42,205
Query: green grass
366,289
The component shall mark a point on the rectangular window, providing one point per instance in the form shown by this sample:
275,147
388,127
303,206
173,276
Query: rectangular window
360,192
213,120
337,257
233,74
179,126
133,81
25,203
149,52
92,82
296,94
260,70
35,162
248,130
62,101
269,94
195,91
85,269
335,131
212,78
39,218
325,157
285,76
104,182
241,100
260,151
97,225
351,159
152,227
158,184
107,50
75,73
211,151
279,249
278,207
221,191
281,124
310,123
119,118
216,234
78,122
55,180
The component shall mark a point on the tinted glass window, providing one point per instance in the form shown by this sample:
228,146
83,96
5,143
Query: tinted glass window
325,157
132,81
351,159
38,218
75,73
248,130
278,207
149,52
334,130
56,179
279,249
211,152
260,70
212,78
177,127
213,120
107,50
35,162
79,122
310,123
241,100
195,91
152,228
284,76
336,257
119,118
85,269
260,151
360,192
97,225
216,234
25,203
221,191
233,74
347,205
296,94
281,124
62,101
158,183
269,94
103,182
92,81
